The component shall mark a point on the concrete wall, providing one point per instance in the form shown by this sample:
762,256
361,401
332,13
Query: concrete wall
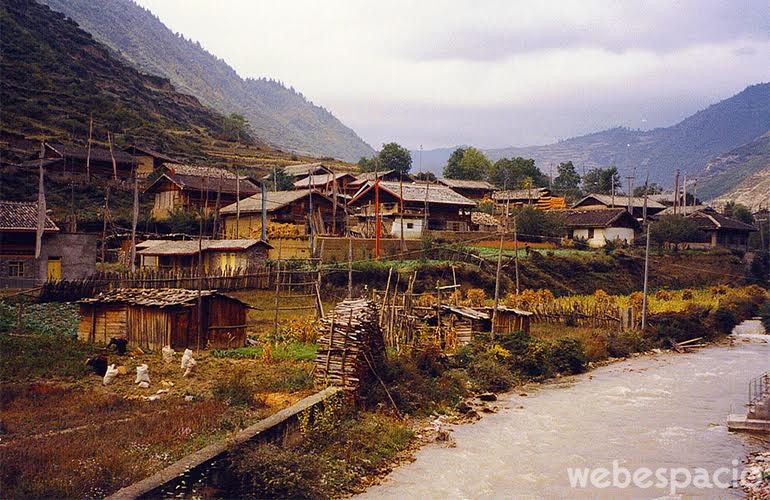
77,252
413,233
602,235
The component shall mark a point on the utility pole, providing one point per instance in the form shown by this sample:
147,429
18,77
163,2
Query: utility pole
264,212
516,253
401,208
676,192
646,274
684,197
499,268
377,217
134,219
237,204
630,178
88,153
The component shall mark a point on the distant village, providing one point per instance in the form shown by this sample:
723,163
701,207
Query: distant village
318,212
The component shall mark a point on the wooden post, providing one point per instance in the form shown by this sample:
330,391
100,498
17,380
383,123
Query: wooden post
376,218
88,151
112,155
516,254
104,222
277,291
134,219
646,272
237,204
350,266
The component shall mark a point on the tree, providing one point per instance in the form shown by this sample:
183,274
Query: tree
516,173
369,164
567,181
235,128
392,156
673,230
533,224
601,180
424,176
650,189
475,166
739,212
452,167
279,180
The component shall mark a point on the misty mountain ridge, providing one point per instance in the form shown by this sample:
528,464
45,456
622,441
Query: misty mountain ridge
688,145
276,113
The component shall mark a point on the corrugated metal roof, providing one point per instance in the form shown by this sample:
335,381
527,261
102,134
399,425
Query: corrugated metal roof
22,216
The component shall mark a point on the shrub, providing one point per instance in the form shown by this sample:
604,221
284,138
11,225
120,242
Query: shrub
568,357
687,294
620,345
488,374
236,390
724,320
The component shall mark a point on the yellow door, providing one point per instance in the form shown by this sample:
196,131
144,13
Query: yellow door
54,268
223,262
232,261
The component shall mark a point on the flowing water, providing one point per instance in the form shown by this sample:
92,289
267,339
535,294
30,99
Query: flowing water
659,411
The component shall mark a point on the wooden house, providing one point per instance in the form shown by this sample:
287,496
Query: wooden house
284,208
147,160
297,172
153,318
465,322
603,201
326,182
598,226
474,190
409,205
77,160
540,198
387,176
722,231
194,188
217,256
62,255
509,320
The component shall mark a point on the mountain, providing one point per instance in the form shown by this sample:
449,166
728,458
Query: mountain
687,146
742,175
55,76
280,115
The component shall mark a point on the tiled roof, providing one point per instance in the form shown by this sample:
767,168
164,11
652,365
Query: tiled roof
190,247
619,200
417,192
600,217
194,178
157,297
320,179
302,170
463,184
689,209
97,154
533,194
711,220
21,216
139,150
275,201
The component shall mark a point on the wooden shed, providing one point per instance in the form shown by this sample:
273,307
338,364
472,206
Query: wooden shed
511,320
156,317
465,322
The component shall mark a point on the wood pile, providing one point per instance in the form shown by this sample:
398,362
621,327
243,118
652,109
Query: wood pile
349,346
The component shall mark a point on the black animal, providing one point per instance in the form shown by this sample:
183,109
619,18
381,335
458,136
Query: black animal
120,344
98,365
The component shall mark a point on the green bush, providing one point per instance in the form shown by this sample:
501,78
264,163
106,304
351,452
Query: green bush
488,374
237,390
622,344
568,357
724,320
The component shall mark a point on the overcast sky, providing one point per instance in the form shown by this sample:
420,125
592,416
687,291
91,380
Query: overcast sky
489,73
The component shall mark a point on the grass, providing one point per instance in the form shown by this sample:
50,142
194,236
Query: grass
29,357
594,341
291,351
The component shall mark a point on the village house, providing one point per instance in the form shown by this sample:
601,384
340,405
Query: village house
297,172
597,226
76,160
474,190
67,256
326,182
602,201
152,318
540,198
404,208
287,215
217,256
387,176
186,187
721,231
147,160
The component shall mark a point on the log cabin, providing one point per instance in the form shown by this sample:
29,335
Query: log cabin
187,187
225,257
156,317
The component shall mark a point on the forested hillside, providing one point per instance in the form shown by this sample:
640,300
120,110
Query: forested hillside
55,76
278,114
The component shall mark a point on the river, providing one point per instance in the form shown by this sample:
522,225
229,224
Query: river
659,411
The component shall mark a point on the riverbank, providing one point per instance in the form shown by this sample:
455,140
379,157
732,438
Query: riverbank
647,411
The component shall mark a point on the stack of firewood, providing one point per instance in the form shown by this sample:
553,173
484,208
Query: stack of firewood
349,346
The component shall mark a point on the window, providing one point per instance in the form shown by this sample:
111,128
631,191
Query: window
590,233
410,225
16,268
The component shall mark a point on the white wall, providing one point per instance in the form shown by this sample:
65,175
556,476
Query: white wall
602,235
410,233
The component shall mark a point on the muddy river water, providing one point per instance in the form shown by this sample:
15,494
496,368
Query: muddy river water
663,412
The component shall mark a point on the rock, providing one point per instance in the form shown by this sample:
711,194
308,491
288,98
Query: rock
488,396
188,398
522,394
144,385
463,407
442,435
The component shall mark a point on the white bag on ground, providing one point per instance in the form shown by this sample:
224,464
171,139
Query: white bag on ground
168,354
191,363
187,356
110,375
142,374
